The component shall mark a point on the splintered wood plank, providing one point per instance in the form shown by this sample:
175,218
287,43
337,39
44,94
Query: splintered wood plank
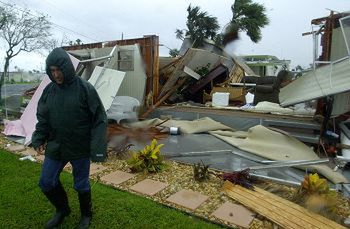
271,213
277,209
295,209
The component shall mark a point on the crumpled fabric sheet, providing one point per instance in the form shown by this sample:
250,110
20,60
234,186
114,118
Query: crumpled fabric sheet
14,128
274,108
277,146
202,125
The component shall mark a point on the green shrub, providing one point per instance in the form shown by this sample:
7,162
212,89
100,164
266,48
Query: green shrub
147,160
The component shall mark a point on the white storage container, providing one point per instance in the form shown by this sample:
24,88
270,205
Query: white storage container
220,99
345,137
345,140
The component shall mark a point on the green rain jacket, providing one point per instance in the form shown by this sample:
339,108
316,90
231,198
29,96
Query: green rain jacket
71,117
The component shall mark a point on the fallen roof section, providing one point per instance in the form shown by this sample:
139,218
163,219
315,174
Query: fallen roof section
195,58
326,80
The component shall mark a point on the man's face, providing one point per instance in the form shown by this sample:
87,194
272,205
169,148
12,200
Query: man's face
57,74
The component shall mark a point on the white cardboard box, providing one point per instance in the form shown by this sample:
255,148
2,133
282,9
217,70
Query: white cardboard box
221,99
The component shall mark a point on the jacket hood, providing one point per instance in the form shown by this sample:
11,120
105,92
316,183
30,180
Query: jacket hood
59,58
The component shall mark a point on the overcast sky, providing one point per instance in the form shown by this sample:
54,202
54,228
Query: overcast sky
105,20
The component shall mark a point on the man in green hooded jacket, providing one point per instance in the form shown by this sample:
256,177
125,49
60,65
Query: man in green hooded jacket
71,128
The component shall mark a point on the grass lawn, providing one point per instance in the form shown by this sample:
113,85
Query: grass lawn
22,205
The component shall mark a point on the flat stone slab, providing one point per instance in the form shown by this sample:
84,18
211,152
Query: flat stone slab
117,177
95,168
16,148
40,157
234,213
149,187
30,152
188,199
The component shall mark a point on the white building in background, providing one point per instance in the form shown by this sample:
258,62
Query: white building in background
24,77
266,65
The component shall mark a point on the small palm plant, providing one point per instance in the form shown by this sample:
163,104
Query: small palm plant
316,195
200,172
149,159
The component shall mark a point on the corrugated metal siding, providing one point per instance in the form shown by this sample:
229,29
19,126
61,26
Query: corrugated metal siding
326,80
341,104
338,48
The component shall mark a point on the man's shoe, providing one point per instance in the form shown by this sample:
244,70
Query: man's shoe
56,220
58,198
84,222
85,209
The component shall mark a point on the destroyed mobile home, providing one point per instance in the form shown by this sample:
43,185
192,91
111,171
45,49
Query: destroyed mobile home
209,109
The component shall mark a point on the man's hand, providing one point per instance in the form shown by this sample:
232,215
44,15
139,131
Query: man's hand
40,149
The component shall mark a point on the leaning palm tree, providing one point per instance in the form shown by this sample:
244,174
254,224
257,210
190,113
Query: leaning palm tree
200,25
248,17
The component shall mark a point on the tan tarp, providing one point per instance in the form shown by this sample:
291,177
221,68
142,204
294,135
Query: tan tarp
273,145
201,125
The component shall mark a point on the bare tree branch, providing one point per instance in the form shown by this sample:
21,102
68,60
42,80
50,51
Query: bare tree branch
23,31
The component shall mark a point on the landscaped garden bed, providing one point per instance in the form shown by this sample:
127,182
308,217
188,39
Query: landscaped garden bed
179,176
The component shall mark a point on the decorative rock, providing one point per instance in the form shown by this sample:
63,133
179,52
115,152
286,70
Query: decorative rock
188,199
95,168
235,214
117,177
16,148
149,187
40,157
30,152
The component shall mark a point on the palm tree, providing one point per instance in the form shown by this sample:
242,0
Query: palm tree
200,25
247,16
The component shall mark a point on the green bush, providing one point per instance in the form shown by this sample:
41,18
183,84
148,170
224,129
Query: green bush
147,160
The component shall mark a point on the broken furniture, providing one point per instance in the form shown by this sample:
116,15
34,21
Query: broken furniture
196,59
268,87
123,108
217,75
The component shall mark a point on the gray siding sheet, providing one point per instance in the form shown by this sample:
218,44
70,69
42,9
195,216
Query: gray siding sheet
326,80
